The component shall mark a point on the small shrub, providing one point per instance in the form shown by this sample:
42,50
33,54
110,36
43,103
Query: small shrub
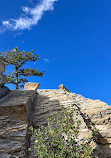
59,139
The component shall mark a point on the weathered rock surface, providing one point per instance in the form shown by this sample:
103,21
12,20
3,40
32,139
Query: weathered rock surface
4,91
15,117
20,109
3,78
2,67
93,114
31,86
62,87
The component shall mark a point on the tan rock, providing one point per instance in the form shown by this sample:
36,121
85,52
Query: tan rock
31,86
62,87
17,108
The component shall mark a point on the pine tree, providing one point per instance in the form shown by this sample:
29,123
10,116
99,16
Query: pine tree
18,60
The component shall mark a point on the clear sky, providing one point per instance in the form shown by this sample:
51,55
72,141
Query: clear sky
72,38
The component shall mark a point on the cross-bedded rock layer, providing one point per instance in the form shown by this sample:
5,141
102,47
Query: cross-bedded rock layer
20,109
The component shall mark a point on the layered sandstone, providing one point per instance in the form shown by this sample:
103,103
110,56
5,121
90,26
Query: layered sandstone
21,109
31,86
93,114
15,117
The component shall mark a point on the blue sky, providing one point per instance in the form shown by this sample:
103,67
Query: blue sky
72,38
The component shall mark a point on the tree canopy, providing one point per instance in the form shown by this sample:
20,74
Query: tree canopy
18,59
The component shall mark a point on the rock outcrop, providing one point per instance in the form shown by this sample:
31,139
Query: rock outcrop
15,118
93,114
21,109
62,87
3,90
31,86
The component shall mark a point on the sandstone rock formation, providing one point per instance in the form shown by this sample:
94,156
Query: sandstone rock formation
31,86
21,109
93,114
62,87
15,118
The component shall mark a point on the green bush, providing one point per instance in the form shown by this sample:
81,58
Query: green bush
59,139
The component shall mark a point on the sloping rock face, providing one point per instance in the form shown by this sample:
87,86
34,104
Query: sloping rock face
21,109
93,114
15,117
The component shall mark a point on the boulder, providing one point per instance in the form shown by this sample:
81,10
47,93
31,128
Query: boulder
62,87
31,86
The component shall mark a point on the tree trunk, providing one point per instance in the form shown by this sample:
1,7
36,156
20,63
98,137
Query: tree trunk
17,79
